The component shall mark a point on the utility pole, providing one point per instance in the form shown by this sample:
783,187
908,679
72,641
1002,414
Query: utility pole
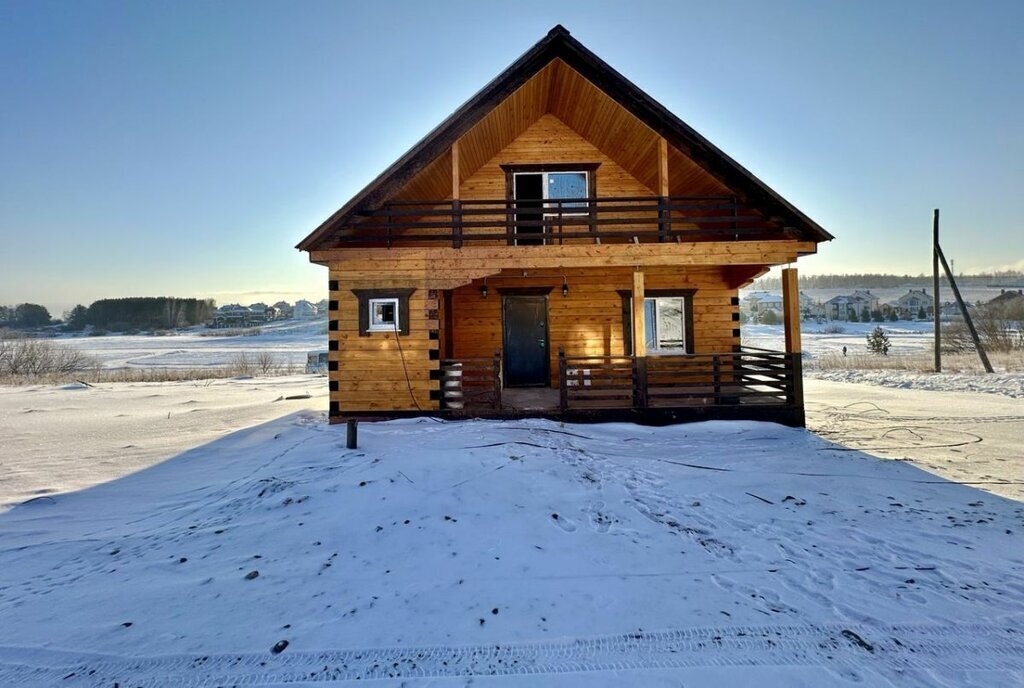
935,288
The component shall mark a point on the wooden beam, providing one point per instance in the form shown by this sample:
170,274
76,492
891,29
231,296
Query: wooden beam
455,170
639,349
662,167
532,257
791,310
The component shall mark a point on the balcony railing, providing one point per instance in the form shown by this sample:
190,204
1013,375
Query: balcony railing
560,221
747,376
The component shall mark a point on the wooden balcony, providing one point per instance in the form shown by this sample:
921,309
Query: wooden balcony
560,221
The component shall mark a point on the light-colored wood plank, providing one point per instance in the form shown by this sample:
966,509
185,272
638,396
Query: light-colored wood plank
791,309
638,314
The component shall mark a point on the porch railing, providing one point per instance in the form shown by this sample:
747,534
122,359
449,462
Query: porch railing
471,383
747,376
559,220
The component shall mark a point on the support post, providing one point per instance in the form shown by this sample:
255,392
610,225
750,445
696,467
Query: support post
967,316
639,342
456,203
639,335
351,434
497,379
563,382
795,388
640,382
791,310
935,287
664,224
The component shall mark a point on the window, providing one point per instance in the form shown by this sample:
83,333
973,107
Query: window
557,186
665,324
668,321
383,310
384,315
539,193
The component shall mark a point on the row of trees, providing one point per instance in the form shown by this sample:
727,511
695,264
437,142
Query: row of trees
133,313
139,313
24,315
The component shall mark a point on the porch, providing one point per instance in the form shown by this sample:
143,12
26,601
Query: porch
750,383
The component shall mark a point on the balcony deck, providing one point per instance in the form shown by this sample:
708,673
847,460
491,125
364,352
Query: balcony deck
635,219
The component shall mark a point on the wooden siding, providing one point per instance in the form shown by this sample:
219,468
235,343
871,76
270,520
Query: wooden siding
588,322
372,370
549,140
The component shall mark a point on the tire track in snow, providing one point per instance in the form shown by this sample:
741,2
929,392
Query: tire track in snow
891,648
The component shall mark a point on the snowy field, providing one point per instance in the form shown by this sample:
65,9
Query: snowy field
492,554
287,340
907,337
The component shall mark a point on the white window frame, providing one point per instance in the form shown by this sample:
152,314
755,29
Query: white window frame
544,194
544,188
372,326
658,350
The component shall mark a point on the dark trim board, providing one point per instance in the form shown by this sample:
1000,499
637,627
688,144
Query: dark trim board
783,415
364,296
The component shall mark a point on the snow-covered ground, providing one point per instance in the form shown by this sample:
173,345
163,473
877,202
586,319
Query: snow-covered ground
959,435
62,438
1006,384
487,553
907,337
288,341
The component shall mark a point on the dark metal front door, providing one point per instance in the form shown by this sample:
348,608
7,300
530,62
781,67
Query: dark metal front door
526,340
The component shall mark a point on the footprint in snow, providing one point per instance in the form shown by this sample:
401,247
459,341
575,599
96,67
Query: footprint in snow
562,522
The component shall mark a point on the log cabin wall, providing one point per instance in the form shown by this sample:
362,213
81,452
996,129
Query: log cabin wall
368,372
589,321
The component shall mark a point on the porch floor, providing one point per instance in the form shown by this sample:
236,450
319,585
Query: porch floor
529,398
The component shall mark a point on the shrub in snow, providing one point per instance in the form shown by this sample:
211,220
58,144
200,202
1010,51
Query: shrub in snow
39,357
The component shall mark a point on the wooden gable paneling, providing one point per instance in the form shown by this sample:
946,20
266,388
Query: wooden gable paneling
559,94
549,140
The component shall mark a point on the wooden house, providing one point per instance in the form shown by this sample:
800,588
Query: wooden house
560,246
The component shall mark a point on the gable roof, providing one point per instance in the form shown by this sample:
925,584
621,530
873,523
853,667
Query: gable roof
559,45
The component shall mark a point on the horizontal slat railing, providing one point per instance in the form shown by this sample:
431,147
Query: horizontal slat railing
556,221
665,381
471,382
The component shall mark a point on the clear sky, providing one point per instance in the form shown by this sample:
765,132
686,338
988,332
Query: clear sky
183,148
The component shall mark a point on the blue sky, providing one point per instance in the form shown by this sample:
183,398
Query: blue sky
183,148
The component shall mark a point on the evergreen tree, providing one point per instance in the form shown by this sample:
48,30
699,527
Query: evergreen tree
31,315
878,342
75,319
852,315
922,314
